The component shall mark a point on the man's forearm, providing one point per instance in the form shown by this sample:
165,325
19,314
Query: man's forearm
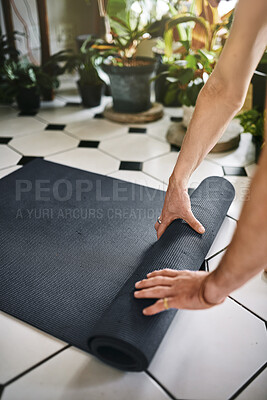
247,253
225,91
214,110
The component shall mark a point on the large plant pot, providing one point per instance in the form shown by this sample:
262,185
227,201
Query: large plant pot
130,86
90,94
28,100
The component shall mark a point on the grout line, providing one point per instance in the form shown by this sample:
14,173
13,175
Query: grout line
1,390
246,384
160,385
229,216
160,155
35,366
216,254
247,309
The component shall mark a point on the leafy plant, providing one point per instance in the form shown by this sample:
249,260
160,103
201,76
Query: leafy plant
199,28
21,74
127,29
186,80
252,122
85,63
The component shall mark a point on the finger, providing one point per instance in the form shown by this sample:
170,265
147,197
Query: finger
163,272
156,281
152,293
157,307
156,226
163,226
194,223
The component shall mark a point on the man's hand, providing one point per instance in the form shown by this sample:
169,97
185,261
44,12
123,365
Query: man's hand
177,205
182,289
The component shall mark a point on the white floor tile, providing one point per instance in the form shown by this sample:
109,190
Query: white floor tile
54,104
209,354
43,143
134,147
96,129
8,157
7,112
22,346
6,171
77,375
161,168
140,178
224,236
242,156
241,185
19,126
64,114
91,160
251,169
252,295
257,390
159,128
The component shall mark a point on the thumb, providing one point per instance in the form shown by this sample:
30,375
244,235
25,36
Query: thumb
194,223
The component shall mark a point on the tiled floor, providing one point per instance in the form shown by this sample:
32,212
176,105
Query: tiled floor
219,353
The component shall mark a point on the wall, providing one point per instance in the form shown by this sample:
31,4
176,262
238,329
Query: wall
67,19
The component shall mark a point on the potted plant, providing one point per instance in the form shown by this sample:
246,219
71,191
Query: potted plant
200,28
252,121
186,81
129,75
7,52
90,85
25,82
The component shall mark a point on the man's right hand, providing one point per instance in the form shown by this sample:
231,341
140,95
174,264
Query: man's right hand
177,205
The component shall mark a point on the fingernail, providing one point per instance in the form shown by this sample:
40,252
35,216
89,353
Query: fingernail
136,294
201,229
149,274
145,312
137,283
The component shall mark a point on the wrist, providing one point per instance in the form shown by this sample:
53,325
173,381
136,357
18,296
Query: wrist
178,181
211,293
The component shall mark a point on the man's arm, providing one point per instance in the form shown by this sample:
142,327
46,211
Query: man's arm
218,102
247,253
245,257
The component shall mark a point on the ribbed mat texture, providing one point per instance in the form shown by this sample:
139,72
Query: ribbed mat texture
73,244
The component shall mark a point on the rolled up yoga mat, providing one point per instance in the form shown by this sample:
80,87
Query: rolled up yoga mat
73,244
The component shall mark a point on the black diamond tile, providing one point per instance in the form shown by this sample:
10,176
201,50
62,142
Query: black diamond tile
55,127
137,130
236,171
27,113
73,104
175,148
190,191
203,266
99,116
176,119
131,165
5,140
26,159
89,143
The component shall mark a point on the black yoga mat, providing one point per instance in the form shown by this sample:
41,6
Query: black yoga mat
73,244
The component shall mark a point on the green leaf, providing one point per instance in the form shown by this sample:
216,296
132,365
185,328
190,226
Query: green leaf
191,61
